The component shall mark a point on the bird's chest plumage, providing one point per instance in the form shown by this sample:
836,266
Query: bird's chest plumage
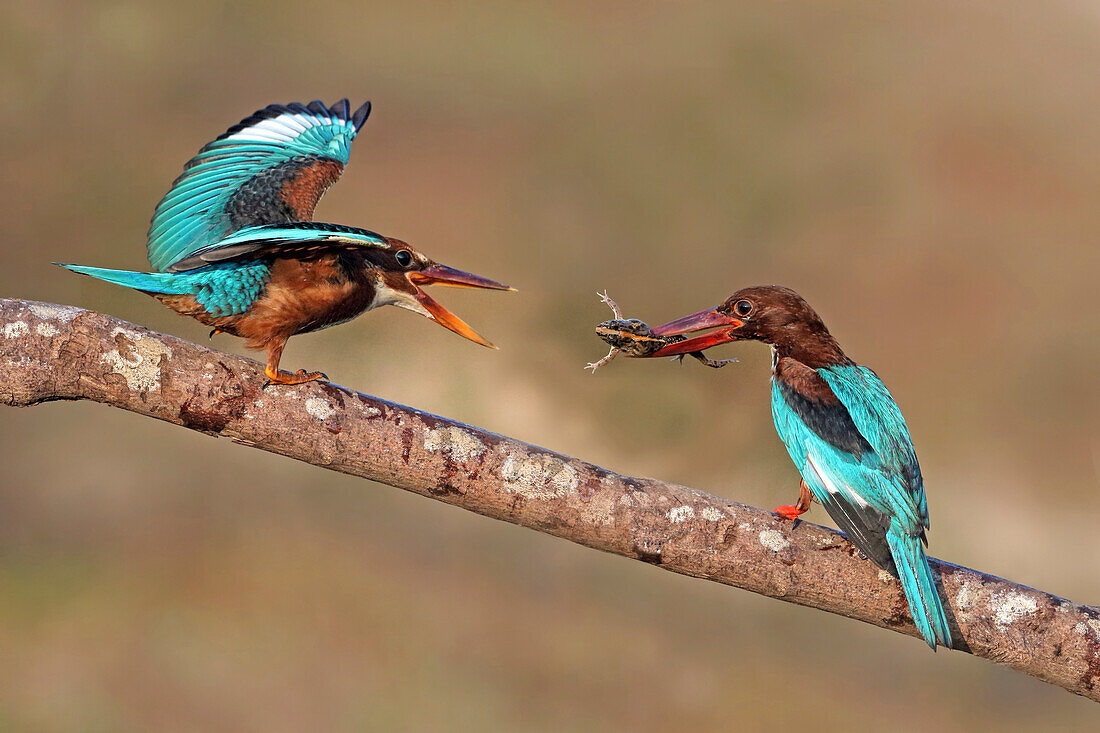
303,296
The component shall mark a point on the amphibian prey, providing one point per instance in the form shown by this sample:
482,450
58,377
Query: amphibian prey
635,339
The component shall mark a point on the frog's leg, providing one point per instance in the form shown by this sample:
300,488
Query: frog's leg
594,365
713,364
605,298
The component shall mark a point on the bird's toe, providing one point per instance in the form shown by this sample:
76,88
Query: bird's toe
789,511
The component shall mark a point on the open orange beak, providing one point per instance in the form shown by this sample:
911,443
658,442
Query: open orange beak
443,275
710,318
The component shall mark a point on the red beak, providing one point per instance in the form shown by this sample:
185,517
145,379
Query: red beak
710,318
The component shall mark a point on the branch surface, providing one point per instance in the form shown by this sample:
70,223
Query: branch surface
53,352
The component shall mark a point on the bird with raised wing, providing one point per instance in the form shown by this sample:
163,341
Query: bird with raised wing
843,431
233,243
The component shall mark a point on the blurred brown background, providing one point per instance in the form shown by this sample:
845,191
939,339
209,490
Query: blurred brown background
926,174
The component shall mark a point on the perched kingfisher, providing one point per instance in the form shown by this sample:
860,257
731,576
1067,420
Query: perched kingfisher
843,431
233,243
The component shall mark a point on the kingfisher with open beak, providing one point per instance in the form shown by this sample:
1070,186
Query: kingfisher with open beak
233,243
843,431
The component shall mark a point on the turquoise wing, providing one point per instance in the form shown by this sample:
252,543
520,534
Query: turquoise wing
297,239
270,168
846,484
880,421
866,489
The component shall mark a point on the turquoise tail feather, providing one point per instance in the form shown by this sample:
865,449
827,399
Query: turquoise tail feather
153,282
225,289
919,587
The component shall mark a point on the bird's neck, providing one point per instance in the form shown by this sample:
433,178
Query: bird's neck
794,376
809,344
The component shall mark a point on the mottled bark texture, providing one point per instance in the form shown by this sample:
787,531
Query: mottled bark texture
51,352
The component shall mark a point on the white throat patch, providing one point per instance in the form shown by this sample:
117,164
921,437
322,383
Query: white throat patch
385,295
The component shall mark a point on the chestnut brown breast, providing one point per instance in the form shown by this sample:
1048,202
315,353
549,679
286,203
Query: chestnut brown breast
304,296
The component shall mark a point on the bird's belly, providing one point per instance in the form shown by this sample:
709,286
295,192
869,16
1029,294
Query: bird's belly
300,305
188,305
327,320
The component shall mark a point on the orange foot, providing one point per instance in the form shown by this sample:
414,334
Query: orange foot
789,511
805,498
299,377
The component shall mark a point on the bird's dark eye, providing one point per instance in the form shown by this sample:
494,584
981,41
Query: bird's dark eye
742,308
404,257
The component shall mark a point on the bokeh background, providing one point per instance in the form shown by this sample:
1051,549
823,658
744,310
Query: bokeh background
926,174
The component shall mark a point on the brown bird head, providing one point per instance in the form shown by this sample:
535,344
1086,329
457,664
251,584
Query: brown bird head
775,315
402,272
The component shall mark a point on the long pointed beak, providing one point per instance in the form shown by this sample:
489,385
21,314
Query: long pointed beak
443,275
710,318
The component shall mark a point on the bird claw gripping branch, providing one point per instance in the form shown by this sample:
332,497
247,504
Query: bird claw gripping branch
636,339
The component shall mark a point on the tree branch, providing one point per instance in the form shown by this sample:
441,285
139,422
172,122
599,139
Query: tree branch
51,352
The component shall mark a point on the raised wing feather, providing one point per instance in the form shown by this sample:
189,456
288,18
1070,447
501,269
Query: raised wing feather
270,168
297,239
